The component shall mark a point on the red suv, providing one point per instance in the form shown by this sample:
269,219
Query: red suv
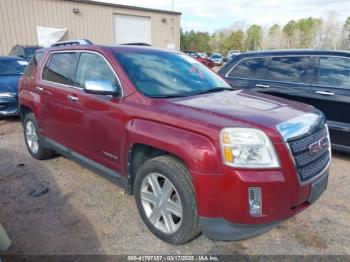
198,155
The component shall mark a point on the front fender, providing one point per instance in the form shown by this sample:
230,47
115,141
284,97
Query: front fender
195,150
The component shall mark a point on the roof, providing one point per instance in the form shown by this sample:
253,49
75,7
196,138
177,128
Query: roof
125,6
122,48
296,51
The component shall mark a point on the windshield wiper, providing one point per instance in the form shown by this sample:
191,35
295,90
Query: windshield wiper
215,89
212,90
170,96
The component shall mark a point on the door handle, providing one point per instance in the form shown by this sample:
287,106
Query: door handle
72,98
39,88
262,86
325,93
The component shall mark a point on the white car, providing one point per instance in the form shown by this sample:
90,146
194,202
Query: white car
232,53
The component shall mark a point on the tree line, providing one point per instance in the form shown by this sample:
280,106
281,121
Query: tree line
323,33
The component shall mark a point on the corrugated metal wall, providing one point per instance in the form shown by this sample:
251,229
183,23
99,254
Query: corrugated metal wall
19,19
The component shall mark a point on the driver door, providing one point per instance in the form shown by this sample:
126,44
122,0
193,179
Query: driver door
99,133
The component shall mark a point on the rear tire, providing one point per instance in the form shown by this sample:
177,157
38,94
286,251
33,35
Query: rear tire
35,144
166,200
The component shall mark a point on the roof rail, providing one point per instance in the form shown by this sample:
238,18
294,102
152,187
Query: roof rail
73,42
139,44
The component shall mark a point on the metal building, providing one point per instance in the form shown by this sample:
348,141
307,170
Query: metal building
101,23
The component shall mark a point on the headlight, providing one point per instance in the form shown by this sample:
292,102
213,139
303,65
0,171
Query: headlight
7,95
247,148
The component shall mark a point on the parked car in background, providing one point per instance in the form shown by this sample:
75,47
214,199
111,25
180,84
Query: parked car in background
217,59
11,69
24,51
204,61
198,155
203,54
319,78
232,53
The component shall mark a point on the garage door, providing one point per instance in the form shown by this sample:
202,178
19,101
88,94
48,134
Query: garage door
132,29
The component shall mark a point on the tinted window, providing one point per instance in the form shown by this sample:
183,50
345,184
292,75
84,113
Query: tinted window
12,67
60,67
291,69
251,68
32,64
160,74
93,67
334,71
29,52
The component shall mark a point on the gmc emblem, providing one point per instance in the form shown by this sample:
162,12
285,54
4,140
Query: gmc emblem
318,146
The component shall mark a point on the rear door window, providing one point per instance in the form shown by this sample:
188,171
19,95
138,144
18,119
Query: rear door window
289,69
60,68
334,71
250,68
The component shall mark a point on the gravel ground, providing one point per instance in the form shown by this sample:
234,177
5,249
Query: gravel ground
83,213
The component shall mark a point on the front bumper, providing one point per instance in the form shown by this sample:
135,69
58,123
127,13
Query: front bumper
223,201
9,107
221,229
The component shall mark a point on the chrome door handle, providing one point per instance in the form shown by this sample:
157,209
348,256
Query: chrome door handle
72,98
262,86
325,93
39,88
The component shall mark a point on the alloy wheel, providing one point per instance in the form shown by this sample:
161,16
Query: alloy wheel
161,203
32,137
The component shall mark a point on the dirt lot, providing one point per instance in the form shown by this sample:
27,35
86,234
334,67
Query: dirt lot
83,213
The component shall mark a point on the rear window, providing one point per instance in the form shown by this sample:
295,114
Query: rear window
250,68
29,52
9,67
334,71
60,67
291,69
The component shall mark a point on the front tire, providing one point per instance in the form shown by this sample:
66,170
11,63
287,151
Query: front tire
166,200
34,142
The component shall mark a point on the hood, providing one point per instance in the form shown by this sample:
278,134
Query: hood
9,83
225,109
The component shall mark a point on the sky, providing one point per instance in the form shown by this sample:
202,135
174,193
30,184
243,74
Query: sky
211,15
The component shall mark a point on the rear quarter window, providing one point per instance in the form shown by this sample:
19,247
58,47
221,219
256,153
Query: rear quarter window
250,68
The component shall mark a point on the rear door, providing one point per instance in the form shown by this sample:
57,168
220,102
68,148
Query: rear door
55,87
331,94
287,77
243,73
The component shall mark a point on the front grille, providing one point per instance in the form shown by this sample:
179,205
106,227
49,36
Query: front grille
2,106
310,164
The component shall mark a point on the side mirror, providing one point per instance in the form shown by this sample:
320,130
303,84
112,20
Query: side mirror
100,87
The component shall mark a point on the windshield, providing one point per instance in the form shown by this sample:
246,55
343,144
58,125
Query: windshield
29,51
216,56
165,74
12,67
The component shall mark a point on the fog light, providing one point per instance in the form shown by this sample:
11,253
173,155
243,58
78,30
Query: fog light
255,205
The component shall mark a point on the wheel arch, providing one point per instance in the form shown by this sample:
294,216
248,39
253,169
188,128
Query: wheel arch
148,139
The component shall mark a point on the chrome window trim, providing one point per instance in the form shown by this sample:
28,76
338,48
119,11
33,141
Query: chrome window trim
78,51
